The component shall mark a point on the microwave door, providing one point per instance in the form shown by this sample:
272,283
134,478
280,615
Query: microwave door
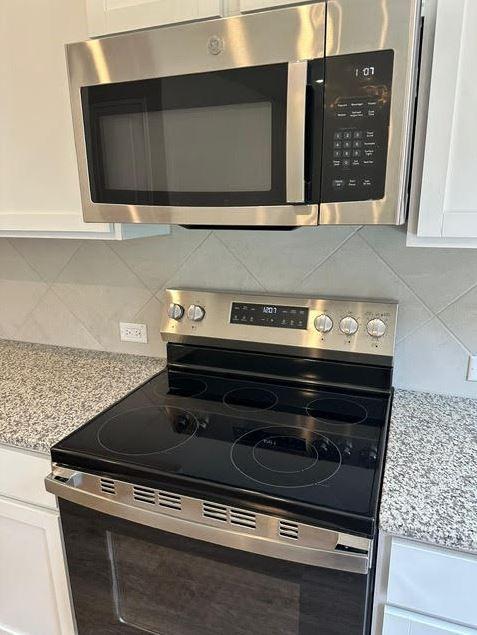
224,144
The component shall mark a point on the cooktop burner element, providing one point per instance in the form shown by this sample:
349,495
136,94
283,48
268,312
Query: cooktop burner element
250,399
334,410
187,387
147,430
284,456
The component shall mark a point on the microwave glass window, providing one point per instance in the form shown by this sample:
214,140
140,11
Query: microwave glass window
207,149
211,139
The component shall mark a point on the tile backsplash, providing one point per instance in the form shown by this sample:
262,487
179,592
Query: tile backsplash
75,293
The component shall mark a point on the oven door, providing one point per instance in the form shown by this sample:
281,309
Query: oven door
131,577
199,125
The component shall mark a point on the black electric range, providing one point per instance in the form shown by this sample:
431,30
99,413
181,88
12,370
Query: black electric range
238,490
312,451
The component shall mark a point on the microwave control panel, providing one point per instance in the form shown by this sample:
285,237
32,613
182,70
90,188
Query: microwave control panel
356,126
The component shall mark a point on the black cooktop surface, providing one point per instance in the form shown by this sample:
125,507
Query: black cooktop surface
275,445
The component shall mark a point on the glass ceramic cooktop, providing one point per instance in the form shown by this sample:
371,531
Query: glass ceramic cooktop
309,446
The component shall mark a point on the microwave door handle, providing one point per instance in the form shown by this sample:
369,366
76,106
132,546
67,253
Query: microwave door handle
295,142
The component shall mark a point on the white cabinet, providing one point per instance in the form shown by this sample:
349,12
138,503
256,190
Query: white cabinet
444,194
39,186
33,586
399,622
424,590
113,16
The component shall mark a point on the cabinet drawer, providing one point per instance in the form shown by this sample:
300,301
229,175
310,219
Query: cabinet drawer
22,474
399,622
434,581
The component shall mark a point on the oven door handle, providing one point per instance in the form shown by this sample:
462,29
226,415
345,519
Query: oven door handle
211,522
295,134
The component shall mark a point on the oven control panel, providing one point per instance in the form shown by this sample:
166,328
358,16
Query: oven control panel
356,126
331,324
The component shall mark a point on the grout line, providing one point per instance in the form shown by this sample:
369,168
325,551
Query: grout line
326,258
183,264
239,260
101,346
433,313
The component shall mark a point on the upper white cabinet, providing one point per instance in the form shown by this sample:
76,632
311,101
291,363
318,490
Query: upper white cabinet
113,16
444,195
39,186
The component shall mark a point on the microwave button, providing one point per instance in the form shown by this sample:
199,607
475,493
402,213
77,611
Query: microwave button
338,184
337,145
357,143
347,135
337,154
347,145
336,164
358,134
367,183
356,153
346,163
346,154
338,135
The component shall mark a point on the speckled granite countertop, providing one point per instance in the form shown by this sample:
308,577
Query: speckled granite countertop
430,483
48,391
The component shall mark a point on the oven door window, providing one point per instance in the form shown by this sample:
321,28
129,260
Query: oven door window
210,139
130,579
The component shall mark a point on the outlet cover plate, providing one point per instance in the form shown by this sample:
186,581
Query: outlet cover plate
130,332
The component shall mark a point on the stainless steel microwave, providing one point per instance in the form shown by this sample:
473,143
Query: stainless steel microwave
283,118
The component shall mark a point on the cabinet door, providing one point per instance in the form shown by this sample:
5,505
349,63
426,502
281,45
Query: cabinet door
112,16
398,622
34,596
39,185
448,196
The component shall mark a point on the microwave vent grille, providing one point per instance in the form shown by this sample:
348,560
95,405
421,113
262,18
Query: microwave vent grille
288,529
107,486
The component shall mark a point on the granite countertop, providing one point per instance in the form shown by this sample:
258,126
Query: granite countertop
46,392
430,482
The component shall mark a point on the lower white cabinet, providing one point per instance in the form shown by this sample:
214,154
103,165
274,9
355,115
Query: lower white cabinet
34,597
399,622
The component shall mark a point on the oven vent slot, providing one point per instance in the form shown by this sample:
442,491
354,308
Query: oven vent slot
171,501
108,486
215,511
288,529
243,518
144,494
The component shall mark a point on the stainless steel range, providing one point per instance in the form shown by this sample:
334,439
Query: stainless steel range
283,118
238,490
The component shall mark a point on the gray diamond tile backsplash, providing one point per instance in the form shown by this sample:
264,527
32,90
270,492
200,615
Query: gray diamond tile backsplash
75,292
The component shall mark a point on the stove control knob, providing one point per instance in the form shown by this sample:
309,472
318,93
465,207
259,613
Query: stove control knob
349,326
195,313
175,311
376,328
323,323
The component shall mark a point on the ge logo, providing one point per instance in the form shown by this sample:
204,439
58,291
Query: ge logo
215,45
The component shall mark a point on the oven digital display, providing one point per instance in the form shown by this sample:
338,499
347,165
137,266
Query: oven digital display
286,317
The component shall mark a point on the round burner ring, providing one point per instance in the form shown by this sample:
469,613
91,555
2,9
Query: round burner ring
148,435
243,457
358,412
187,387
269,398
275,438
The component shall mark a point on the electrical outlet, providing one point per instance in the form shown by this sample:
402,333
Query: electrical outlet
133,332
472,370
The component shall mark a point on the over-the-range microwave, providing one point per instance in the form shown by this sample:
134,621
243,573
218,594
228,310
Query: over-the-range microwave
282,118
